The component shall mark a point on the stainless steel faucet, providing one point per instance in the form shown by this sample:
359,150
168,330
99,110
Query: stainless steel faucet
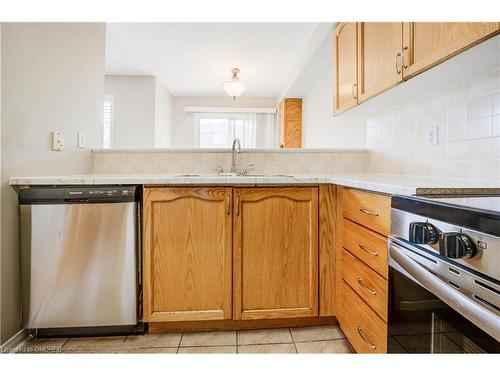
236,148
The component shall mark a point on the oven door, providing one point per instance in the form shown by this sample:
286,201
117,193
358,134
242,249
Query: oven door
427,315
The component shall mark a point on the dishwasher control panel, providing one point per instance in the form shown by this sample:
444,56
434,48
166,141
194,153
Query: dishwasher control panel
78,194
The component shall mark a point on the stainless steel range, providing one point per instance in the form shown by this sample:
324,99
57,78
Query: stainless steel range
444,275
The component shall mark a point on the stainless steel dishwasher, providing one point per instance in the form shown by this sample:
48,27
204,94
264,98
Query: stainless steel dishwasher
80,264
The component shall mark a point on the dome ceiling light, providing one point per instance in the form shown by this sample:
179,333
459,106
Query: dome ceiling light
234,87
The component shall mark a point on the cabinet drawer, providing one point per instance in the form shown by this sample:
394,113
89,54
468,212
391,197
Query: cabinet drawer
366,332
368,246
370,210
368,284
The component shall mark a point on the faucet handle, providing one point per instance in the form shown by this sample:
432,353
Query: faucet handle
219,169
248,168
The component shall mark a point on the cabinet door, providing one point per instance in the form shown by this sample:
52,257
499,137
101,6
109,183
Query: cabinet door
346,65
427,44
275,252
187,244
291,123
379,57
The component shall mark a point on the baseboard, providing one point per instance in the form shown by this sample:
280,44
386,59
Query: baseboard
217,325
12,344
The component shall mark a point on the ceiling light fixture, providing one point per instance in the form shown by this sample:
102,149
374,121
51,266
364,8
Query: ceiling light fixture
234,87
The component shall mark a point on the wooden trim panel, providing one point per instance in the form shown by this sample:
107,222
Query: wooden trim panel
327,237
222,325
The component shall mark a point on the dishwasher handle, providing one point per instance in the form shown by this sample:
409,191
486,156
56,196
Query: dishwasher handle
481,317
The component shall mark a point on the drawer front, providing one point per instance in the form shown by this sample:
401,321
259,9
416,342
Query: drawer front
368,246
370,210
368,284
366,332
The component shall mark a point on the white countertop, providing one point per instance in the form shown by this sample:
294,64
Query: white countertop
389,184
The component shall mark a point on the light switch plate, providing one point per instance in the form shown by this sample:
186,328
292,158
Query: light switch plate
431,136
57,141
81,140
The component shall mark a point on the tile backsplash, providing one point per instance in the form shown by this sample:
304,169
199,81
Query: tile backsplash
467,116
199,161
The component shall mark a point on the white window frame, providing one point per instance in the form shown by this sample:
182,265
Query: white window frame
212,115
111,99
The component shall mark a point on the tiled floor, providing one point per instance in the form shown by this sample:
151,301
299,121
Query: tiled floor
321,339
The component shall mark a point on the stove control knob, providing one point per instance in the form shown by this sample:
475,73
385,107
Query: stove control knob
423,233
456,245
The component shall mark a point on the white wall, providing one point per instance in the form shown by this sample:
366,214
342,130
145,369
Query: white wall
320,129
163,117
142,113
133,111
183,132
52,79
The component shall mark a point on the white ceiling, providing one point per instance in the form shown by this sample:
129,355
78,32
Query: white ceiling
195,58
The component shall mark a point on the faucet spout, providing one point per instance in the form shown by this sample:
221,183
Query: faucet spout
236,149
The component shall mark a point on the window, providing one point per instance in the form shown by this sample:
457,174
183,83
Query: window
218,130
107,122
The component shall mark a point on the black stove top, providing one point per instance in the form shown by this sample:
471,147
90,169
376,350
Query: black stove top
480,213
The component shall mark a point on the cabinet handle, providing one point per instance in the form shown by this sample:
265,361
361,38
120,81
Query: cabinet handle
237,205
371,291
397,66
362,335
403,58
228,205
368,212
354,90
362,247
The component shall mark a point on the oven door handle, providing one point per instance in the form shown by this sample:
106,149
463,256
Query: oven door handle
481,317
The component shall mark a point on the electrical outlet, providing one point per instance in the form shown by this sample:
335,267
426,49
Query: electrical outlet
81,140
431,136
57,141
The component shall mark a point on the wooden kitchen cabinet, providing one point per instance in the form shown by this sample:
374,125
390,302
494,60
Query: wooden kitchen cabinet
275,252
379,57
346,66
291,123
187,253
426,44
361,268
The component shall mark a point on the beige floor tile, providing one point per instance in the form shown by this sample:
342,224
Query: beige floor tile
208,350
43,345
267,349
122,351
151,340
215,338
331,346
109,342
264,336
304,334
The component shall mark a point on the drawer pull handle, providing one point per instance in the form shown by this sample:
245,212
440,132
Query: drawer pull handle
371,291
362,335
228,205
362,247
368,212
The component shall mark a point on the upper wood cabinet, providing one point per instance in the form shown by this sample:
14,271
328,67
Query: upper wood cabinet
275,252
379,57
427,44
187,254
346,66
291,123
390,52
